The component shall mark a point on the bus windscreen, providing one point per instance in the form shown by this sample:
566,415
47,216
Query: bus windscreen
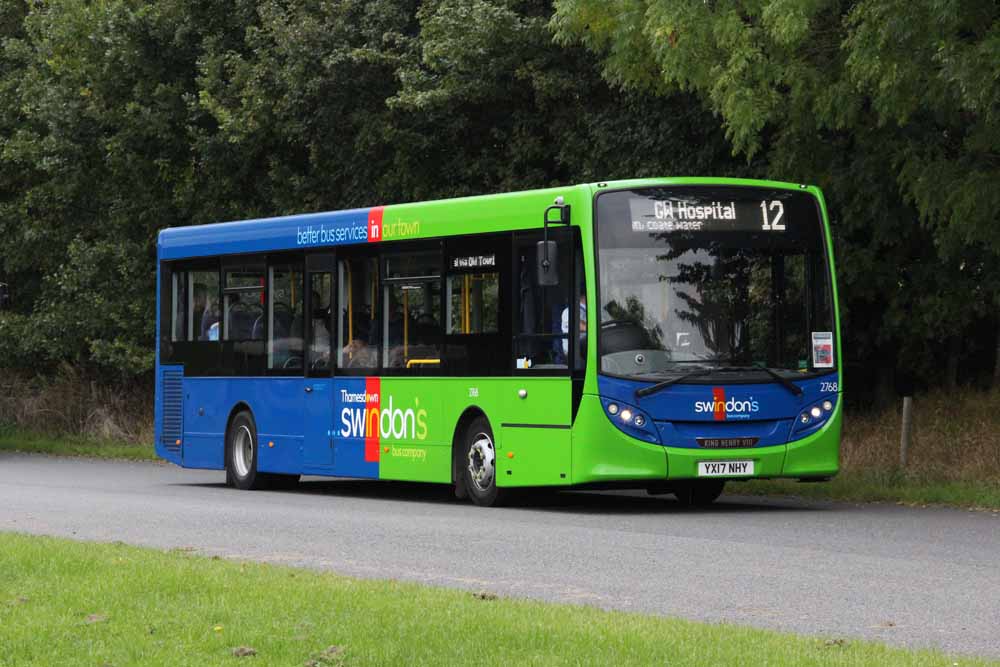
712,277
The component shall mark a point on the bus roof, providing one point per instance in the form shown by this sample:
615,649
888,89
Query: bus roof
442,217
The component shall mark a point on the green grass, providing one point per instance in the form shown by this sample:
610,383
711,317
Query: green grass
70,603
20,440
882,486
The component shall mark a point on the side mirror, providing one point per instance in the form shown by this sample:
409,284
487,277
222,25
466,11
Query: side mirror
547,263
546,253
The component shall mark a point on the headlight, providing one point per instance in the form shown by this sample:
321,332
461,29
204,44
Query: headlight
632,421
813,417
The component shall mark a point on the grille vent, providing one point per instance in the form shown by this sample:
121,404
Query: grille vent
173,409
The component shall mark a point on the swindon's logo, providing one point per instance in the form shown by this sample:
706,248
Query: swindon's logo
365,415
723,409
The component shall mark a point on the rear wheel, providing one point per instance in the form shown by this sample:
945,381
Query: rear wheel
699,493
479,464
242,455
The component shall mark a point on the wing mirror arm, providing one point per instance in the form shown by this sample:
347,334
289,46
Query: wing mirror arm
547,253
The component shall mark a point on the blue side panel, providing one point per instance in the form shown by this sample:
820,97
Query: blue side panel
279,408
206,411
285,233
276,404
350,419
685,412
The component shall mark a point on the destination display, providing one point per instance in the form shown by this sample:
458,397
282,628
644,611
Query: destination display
688,214
474,262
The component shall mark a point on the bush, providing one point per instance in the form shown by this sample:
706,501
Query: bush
69,403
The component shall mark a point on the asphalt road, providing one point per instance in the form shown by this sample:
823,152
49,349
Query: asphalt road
913,577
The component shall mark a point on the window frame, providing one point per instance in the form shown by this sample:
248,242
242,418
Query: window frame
364,253
492,355
230,264
200,358
293,261
399,249
532,236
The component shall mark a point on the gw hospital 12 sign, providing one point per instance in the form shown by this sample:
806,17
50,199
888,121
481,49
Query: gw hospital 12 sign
692,215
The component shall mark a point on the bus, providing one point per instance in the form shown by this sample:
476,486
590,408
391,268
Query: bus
667,334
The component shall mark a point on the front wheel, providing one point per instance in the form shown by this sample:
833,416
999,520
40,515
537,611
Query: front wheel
479,464
699,493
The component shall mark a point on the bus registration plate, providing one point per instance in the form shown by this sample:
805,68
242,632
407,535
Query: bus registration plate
725,468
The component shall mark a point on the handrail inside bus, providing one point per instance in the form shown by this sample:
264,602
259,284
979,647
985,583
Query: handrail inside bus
422,362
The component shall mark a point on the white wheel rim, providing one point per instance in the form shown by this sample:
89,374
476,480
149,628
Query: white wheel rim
482,461
243,451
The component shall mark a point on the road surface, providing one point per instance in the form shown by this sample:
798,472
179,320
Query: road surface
904,576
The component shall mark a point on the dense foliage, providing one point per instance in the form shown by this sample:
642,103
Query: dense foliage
122,117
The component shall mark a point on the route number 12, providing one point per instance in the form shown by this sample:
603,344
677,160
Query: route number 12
776,224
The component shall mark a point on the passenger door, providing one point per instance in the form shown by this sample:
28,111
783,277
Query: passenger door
537,408
320,281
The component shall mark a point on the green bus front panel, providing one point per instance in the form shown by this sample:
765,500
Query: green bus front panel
602,453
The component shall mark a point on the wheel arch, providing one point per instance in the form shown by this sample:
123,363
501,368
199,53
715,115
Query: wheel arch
239,407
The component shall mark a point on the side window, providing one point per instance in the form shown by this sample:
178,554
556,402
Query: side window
412,303
544,315
473,303
580,298
179,307
194,307
477,302
203,319
243,307
285,317
321,286
358,331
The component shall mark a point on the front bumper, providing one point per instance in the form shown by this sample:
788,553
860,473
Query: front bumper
602,453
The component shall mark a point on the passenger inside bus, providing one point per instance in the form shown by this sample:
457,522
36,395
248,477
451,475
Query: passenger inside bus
209,329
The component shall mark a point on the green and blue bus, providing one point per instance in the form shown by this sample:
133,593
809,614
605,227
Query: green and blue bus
663,334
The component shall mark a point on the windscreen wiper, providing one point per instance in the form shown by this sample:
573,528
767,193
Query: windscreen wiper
653,388
782,380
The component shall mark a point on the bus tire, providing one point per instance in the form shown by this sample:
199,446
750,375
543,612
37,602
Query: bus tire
241,453
478,464
700,493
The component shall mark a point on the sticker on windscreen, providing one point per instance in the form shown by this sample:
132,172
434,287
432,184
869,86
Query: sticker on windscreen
822,349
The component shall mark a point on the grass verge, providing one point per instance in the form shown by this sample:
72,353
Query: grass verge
19,440
882,486
64,602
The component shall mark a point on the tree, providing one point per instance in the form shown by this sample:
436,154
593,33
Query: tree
891,106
